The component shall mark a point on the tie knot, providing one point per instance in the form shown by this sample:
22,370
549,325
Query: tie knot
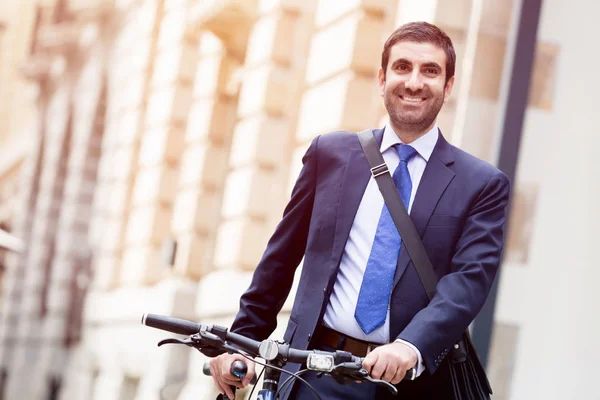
405,152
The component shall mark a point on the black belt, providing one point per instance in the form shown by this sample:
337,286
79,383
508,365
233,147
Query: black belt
338,341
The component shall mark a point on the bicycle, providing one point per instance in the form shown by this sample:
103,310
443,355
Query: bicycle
213,340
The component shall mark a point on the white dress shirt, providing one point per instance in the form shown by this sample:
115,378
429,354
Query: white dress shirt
339,314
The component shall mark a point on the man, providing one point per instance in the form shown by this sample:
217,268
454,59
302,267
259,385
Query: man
336,219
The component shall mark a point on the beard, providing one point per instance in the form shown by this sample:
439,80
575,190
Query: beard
413,120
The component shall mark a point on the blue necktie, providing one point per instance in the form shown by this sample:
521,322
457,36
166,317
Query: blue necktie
374,296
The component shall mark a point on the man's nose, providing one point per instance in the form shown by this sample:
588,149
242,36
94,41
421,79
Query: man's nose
415,81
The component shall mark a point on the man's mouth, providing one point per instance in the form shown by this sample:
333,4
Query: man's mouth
411,99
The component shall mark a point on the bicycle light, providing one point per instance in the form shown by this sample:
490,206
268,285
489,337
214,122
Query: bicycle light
320,362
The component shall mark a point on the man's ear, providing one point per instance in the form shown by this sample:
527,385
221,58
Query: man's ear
448,89
381,77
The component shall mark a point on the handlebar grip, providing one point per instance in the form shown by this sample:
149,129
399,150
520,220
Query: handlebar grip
239,369
170,324
206,370
235,367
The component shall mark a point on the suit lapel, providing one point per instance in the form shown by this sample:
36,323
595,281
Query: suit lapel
355,179
434,181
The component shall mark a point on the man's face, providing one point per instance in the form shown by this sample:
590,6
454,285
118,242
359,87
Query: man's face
414,87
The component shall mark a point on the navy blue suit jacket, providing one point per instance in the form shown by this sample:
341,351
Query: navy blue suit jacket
459,211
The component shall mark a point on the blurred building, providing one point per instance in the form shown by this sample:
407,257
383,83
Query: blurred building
148,147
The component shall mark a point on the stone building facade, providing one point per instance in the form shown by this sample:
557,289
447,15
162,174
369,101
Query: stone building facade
148,147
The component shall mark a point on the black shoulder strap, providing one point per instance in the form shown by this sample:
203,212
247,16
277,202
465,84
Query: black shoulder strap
406,228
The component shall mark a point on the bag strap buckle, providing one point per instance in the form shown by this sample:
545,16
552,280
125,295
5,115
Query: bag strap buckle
379,170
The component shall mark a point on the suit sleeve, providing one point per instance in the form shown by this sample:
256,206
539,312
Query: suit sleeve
460,295
273,277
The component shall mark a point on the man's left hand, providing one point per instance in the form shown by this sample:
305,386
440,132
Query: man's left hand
390,362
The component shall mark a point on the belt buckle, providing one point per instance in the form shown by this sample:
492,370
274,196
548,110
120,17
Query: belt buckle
370,348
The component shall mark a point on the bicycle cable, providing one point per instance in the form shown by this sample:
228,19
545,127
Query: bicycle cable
257,379
293,374
288,381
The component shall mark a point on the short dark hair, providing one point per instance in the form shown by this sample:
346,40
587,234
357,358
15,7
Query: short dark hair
421,32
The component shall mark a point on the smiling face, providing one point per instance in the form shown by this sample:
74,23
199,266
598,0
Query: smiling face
414,86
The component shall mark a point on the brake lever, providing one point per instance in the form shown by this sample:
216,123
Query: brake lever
388,385
186,341
353,371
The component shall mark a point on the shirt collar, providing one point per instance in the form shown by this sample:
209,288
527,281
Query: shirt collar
423,145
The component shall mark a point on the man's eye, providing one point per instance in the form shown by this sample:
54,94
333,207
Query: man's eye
431,71
403,67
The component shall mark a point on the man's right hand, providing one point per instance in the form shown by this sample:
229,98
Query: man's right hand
220,370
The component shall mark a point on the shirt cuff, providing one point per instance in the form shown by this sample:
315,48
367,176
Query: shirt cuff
420,366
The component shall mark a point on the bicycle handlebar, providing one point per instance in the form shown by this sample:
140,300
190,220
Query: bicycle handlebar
264,349
218,340
170,324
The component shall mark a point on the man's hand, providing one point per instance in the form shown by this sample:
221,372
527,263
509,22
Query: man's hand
390,362
220,368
